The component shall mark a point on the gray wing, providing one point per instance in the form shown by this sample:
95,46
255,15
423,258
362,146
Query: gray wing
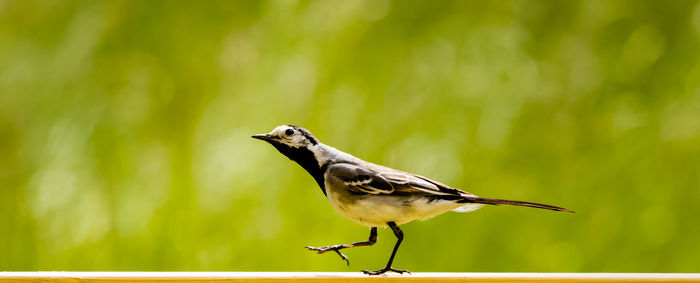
375,179
360,180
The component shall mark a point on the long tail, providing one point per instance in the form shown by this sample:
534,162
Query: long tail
494,201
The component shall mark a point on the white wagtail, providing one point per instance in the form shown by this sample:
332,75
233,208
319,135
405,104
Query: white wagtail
374,195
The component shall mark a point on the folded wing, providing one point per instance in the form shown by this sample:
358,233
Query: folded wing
370,180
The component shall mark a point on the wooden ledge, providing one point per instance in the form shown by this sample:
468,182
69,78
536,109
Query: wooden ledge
57,276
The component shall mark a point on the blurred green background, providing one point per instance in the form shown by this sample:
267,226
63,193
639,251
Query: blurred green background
125,131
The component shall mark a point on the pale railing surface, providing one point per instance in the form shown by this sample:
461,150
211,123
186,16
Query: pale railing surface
56,276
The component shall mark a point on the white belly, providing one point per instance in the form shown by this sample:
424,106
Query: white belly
377,210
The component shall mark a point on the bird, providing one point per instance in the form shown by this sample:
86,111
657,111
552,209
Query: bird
373,195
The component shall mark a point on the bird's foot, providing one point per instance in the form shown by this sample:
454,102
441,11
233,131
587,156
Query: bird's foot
335,248
382,271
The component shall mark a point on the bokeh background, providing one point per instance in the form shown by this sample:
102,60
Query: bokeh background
125,131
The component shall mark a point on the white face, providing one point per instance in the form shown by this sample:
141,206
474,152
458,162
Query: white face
290,136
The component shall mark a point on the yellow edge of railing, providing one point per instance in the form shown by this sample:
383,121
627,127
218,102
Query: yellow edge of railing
60,276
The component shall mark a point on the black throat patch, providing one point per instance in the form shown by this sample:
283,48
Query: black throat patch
306,159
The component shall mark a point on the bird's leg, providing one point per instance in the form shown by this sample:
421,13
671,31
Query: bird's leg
399,235
337,248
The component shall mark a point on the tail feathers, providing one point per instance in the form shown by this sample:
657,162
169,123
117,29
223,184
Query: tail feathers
494,201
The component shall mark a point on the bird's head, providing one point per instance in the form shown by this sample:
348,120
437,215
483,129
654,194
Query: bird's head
289,136
299,145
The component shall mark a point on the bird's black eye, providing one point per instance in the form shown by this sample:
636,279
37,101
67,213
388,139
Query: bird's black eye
289,132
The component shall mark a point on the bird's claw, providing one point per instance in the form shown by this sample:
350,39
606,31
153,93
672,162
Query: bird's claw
342,256
321,250
336,249
382,271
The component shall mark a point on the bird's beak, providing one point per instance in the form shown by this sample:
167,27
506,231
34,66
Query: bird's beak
265,137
